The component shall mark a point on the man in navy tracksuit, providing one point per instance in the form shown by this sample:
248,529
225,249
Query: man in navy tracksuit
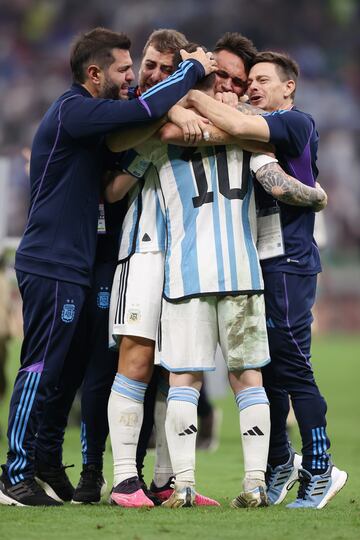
89,364
290,264
55,258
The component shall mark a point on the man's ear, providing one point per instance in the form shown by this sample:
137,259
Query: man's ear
290,87
93,73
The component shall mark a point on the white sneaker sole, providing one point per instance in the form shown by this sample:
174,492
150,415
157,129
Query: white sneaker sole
334,489
48,490
8,501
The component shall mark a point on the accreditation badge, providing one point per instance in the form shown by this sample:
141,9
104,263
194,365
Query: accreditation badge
270,240
101,229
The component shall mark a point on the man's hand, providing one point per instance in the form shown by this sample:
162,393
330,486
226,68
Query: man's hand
206,59
322,198
230,98
192,125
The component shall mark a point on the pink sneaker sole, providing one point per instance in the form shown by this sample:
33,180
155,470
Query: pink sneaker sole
131,500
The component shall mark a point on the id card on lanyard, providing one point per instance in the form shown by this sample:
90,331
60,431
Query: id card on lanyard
101,228
270,241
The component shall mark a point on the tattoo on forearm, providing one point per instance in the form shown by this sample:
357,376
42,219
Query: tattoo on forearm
246,108
218,137
287,189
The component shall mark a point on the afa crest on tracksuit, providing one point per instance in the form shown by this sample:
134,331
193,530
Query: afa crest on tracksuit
68,312
103,298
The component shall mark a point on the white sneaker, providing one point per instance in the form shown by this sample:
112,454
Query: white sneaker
281,478
316,491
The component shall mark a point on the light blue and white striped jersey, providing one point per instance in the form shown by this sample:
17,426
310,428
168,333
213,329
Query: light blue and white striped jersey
143,228
210,218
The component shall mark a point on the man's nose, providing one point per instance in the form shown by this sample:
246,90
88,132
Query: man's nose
226,85
130,76
156,75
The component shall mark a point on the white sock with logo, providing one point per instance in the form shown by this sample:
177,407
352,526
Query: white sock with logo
125,414
181,429
254,415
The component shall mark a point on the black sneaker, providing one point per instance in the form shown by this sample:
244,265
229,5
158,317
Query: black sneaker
24,493
54,481
150,495
91,487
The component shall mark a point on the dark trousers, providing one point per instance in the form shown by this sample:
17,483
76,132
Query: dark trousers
51,312
289,299
91,364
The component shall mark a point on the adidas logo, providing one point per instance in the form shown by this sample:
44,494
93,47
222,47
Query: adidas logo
254,431
189,431
146,238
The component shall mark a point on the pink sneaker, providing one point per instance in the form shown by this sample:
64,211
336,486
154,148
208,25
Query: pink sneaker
131,500
164,493
201,500
129,494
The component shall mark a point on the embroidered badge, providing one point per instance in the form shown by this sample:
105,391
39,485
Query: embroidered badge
134,316
68,311
103,298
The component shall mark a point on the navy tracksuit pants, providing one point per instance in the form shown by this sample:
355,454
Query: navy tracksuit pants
51,313
91,364
289,299
64,343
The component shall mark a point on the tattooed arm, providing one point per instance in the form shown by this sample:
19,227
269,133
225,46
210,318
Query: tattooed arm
288,190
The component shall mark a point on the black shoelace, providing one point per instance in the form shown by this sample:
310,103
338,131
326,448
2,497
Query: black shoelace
304,484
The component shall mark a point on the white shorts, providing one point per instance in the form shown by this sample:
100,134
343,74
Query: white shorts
189,332
136,296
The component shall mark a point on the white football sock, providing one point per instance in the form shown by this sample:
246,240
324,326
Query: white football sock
181,429
255,430
125,414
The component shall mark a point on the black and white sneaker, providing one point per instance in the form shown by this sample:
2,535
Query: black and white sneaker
24,493
148,492
91,487
54,481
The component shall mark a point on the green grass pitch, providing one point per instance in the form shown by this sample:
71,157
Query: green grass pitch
336,362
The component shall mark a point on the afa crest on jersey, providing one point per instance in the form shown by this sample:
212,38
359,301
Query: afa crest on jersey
68,312
133,316
103,298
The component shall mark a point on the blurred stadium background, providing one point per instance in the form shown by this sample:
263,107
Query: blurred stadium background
35,37
323,36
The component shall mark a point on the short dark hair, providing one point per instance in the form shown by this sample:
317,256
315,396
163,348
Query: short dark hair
207,82
286,67
166,40
95,47
238,44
